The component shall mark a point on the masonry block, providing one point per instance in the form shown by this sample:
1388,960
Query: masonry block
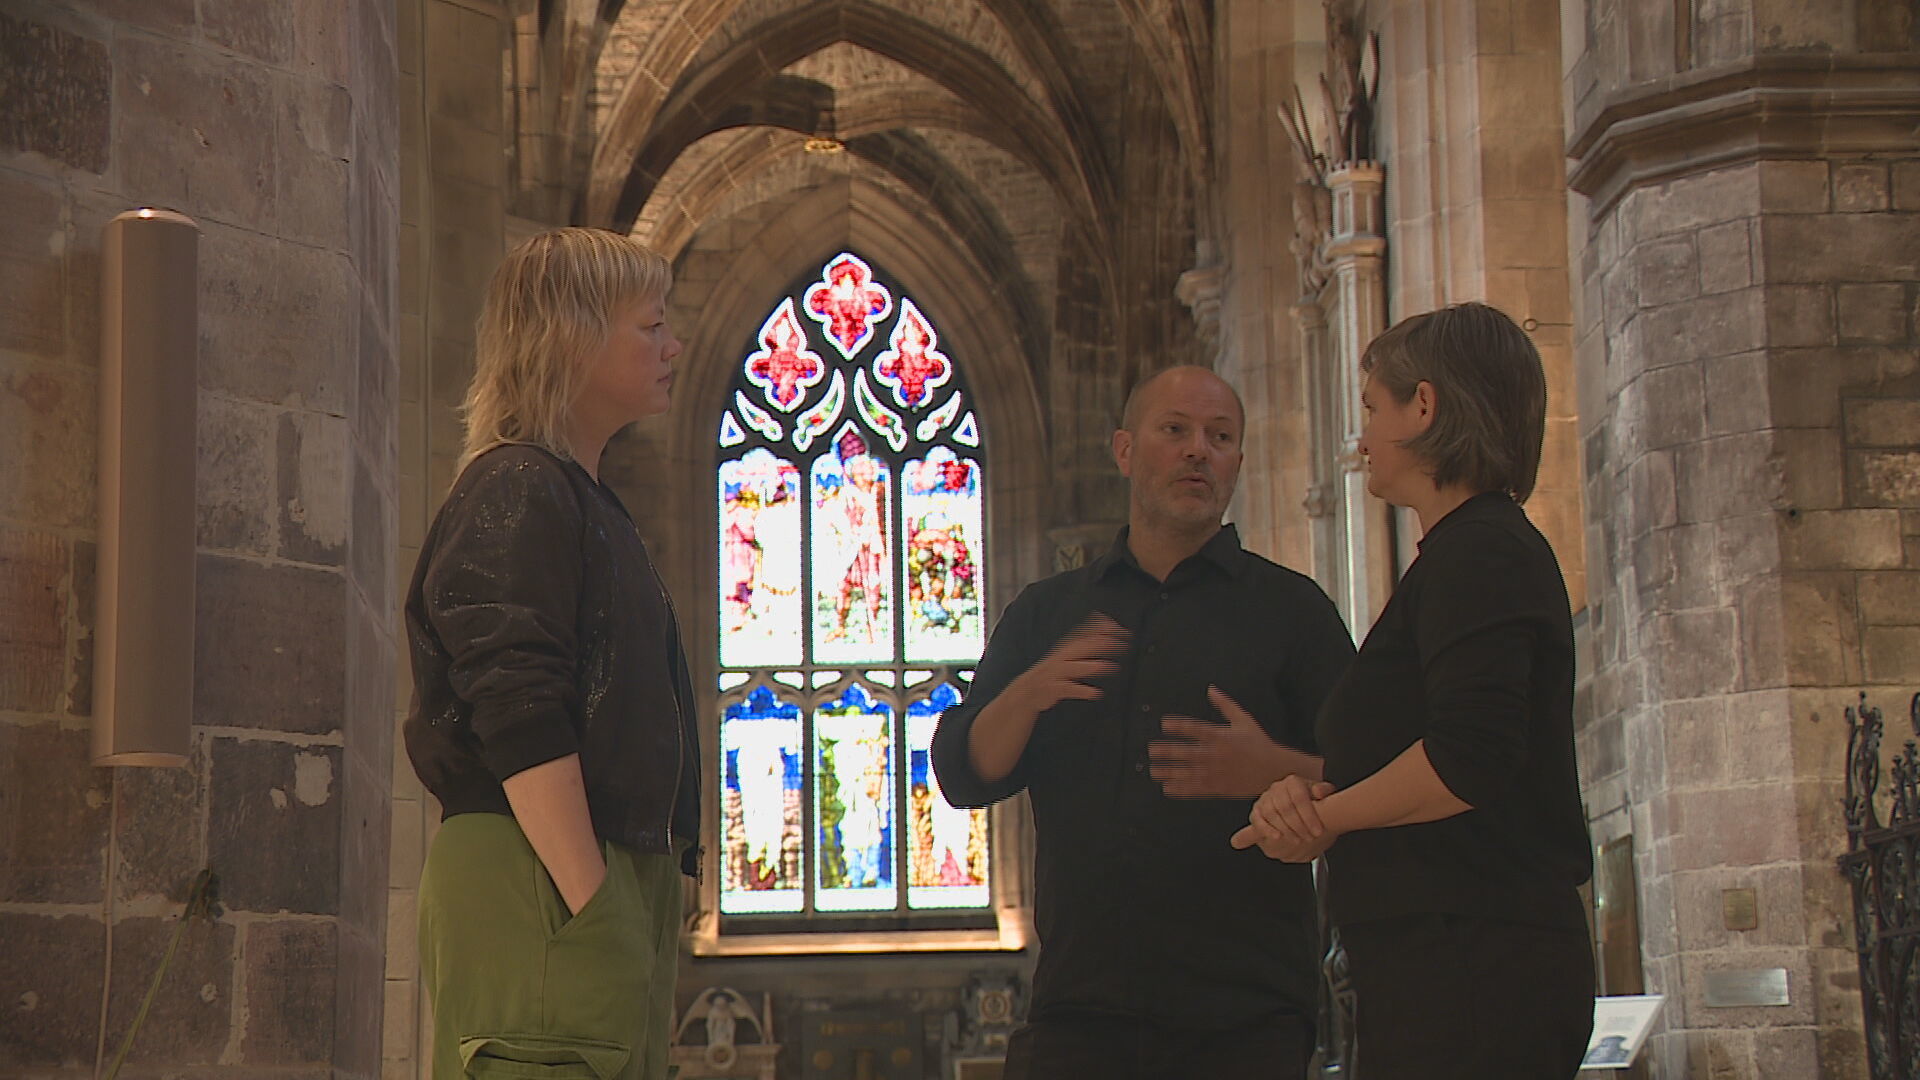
1726,256
1861,187
1820,625
1812,468
1702,469
1874,313
80,671
1892,653
291,977
53,816
1890,598
1715,827
1906,185
1665,271
1719,325
1887,422
1799,316
1820,248
274,823
1696,653
160,830
34,574
50,981
1841,540
275,321
315,466
235,488
1794,187
33,269
48,438
56,95
196,130
262,31
1884,477
192,1014
1737,398
314,151
270,647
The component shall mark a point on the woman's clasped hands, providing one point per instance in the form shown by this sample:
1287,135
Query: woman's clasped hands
1286,823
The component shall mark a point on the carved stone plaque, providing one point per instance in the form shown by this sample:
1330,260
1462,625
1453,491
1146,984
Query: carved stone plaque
1738,988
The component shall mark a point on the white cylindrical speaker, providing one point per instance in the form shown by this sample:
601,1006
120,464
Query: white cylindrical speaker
149,381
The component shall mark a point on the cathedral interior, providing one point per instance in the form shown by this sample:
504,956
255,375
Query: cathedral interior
1705,214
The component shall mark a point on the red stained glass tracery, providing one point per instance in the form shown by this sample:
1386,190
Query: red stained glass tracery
848,303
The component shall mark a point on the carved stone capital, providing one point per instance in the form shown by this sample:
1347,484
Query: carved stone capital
1767,107
1075,546
1199,289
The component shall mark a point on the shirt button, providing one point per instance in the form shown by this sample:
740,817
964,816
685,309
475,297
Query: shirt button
1163,596
1139,767
1146,708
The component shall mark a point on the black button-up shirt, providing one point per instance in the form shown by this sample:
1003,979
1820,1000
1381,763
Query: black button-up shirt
1474,654
1143,907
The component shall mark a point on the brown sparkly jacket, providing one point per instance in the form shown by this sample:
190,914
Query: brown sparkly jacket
539,629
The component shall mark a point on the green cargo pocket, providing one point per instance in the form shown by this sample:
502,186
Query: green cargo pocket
541,1057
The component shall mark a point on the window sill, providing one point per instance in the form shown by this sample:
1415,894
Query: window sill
706,941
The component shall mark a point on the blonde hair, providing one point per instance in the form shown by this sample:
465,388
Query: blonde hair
548,307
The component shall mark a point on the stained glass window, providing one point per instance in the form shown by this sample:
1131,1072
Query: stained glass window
852,516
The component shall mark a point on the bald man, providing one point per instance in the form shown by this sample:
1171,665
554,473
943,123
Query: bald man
1122,696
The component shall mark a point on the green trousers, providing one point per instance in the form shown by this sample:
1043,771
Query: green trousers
522,991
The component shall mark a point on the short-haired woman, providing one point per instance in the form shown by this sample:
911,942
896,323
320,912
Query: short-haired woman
552,708
1450,814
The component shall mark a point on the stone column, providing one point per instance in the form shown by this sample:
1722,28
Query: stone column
273,126
1750,412
1355,301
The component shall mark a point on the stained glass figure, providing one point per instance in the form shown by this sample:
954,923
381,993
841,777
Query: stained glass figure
852,569
815,420
848,303
760,602
940,511
761,800
884,421
938,419
853,789
730,433
783,367
946,847
914,367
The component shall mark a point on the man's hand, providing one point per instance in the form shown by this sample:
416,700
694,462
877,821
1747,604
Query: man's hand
1066,673
1286,824
1199,758
1000,733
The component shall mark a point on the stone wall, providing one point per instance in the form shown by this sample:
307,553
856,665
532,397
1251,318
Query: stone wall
1748,390
274,127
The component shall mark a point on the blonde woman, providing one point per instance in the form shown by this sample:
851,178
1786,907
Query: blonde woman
551,712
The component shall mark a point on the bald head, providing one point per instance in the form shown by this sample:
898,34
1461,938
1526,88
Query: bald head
1174,380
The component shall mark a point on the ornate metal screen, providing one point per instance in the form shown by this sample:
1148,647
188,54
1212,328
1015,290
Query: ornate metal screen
1882,864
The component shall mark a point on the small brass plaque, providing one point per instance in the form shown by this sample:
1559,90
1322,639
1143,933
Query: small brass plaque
1740,909
1737,988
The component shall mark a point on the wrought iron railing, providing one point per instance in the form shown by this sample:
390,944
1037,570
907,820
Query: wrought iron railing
1882,864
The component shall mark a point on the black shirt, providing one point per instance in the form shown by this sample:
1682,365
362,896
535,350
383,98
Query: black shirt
1473,653
1143,907
539,629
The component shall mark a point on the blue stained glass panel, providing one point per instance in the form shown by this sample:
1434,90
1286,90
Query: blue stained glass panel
947,852
761,799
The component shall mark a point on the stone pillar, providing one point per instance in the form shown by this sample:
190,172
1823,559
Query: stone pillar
274,127
1750,412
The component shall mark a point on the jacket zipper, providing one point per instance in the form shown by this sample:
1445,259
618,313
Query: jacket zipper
679,707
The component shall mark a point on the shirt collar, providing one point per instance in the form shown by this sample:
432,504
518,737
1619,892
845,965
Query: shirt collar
1476,507
1222,549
